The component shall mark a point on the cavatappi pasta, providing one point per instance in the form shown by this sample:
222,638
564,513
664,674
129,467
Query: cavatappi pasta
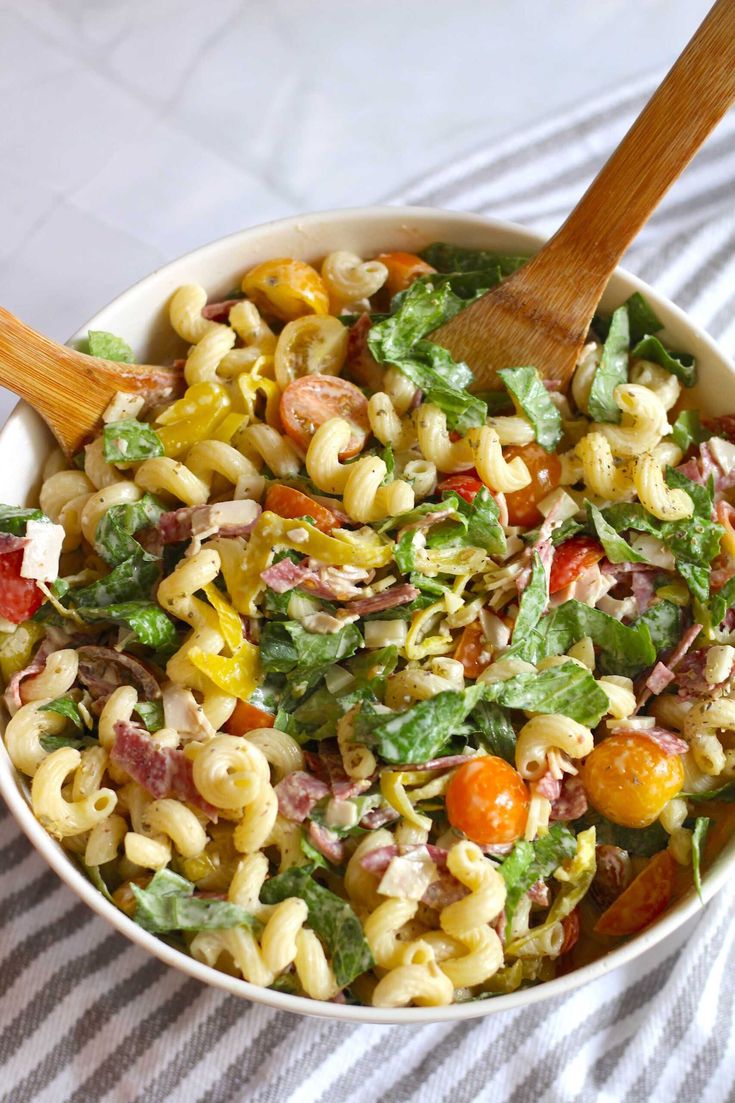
363,685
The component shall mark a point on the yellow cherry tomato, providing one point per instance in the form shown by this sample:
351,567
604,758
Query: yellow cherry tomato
629,778
286,288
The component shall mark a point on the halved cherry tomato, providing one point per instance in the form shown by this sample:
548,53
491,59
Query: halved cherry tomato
643,900
472,651
286,288
246,717
629,778
287,502
467,485
313,399
488,800
570,926
19,597
571,558
545,471
403,269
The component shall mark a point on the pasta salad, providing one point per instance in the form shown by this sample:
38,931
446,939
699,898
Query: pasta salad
363,685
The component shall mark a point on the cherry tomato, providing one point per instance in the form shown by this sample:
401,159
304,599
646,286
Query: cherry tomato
467,485
488,800
472,651
19,597
570,926
629,778
643,900
313,399
287,502
545,471
403,269
571,558
286,288
246,717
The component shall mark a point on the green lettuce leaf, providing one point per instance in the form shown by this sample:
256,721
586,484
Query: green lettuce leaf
168,904
534,600
495,733
528,863
330,917
567,689
65,706
680,364
474,523
114,537
699,834
641,317
724,794
108,347
612,369
151,713
616,548
130,440
688,430
13,519
131,580
641,842
146,620
287,648
456,258
530,394
663,621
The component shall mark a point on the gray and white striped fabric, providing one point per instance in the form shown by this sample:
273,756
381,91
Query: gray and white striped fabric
86,1017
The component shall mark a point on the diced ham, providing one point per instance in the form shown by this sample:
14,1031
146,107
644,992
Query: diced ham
548,786
446,889
669,743
378,817
409,875
285,575
712,461
12,695
219,312
539,894
228,519
298,793
659,679
378,860
103,669
327,765
641,584
572,800
162,771
332,583
612,876
672,661
390,598
327,843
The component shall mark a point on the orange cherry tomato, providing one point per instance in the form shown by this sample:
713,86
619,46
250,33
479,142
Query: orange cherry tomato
570,926
629,778
643,900
472,651
313,399
286,288
545,471
246,718
467,485
403,269
488,800
572,558
287,502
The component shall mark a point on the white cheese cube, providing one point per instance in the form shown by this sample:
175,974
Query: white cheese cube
41,553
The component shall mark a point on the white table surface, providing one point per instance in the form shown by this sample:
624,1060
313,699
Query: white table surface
135,130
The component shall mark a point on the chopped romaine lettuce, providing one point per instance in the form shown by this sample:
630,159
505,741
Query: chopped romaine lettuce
330,917
114,537
612,369
13,519
168,904
534,600
108,347
456,258
528,863
699,834
616,548
534,401
130,440
65,706
688,430
494,730
680,364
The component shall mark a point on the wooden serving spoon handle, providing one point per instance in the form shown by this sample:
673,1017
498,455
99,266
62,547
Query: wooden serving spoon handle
68,388
541,314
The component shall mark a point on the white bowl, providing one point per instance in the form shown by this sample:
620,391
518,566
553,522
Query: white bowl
139,315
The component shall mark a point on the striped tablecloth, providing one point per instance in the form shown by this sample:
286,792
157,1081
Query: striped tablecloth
85,1016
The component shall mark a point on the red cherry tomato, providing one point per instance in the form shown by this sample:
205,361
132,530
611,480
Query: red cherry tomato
403,269
643,900
572,558
467,485
629,778
488,800
473,651
287,502
19,597
313,399
545,471
246,717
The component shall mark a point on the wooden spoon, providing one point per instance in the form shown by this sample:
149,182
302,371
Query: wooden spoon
68,388
541,314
